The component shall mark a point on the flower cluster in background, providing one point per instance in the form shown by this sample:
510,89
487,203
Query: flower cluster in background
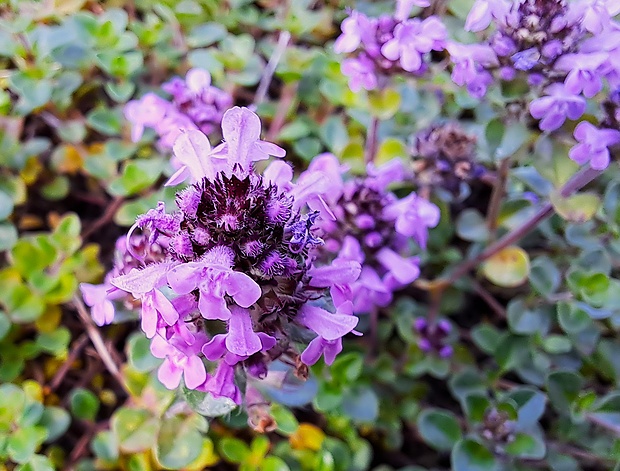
388,45
373,227
567,51
194,104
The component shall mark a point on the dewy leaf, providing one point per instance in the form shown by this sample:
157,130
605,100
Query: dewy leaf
207,405
508,268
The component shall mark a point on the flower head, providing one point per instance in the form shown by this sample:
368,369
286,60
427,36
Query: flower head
239,251
593,145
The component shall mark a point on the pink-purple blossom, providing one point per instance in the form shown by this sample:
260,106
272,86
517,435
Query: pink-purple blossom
593,145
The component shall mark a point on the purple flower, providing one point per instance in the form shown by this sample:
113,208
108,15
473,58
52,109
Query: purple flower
470,61
239,250
414,216
353,28
214,277
361,73
222,383
403,7
480,16
583,72
99,299
596,15
196,104
412,39
180,359
593,145
556,106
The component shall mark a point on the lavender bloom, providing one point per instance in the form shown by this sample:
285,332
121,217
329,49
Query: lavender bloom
412,39
549,40
370,228
195,104
593,145
556,106
388,45
470,63
240,250
583,72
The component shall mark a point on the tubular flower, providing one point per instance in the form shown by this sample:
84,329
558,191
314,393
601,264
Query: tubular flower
240,251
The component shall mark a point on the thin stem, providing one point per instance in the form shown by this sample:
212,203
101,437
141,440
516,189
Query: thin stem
371,141
271,67
97,341
497,196
488,298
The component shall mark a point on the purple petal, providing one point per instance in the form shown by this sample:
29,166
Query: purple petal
215,348
168,313
184,278
328,325
193,149
241,339
313,351
194,372
340,272
243,289
212,307
404,270
169,374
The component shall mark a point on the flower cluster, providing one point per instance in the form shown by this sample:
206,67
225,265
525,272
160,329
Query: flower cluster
388,45
567,51
372,227
239,259
195,104
433,338
444,157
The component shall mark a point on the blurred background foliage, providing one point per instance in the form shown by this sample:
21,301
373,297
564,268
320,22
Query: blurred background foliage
534,380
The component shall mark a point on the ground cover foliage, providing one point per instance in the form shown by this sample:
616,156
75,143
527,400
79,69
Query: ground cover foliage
395,249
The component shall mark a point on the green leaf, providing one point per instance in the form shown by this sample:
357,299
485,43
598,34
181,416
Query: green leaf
526,446
179,442
105,446
508,268
139,353
384,104
233,449
471,226
137,176
105,120
470,455
6,205
545,276
360,403
287,423
8,236
563,387
439,429
37,463
55,342
207,405
572,318
56,421
84,404
24,442
206,34
525,320
577,208
135,429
